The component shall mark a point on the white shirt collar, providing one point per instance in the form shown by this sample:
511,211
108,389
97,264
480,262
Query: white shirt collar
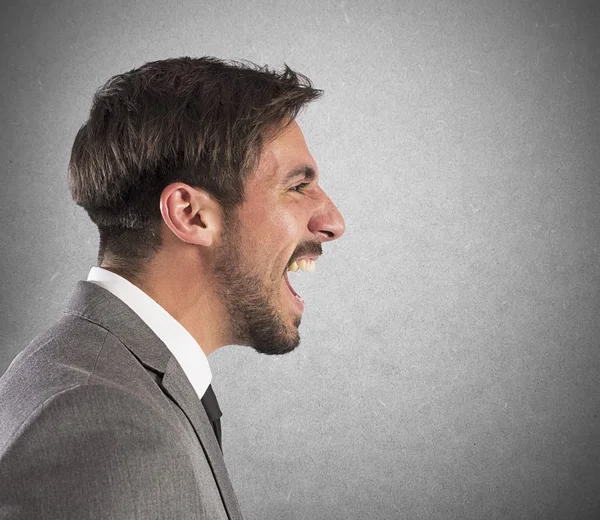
178,340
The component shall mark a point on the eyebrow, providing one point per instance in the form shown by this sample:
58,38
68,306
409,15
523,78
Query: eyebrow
305,171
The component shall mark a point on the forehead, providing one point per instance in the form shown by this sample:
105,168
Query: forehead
287,152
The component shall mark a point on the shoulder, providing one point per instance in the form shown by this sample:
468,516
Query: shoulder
94,443
75,367
99,410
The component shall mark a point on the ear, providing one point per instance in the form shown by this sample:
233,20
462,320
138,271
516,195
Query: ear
190,213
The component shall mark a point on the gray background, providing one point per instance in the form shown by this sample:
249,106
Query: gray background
448,368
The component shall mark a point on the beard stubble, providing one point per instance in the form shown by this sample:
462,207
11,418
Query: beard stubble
254,310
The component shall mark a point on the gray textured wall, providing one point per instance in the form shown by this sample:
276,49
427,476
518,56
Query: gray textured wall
450,349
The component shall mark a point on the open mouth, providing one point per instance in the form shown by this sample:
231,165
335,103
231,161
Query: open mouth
287,281
305,264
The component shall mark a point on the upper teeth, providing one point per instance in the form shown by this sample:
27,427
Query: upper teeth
304,265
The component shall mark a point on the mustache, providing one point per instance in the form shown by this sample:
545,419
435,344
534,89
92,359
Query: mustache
306,249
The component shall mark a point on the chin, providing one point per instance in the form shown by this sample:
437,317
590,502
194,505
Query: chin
275,350
281,342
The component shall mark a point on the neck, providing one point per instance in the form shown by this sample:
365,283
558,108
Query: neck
183,289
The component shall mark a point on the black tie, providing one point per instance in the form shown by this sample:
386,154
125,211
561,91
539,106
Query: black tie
209,401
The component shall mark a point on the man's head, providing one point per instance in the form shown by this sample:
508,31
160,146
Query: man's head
188,162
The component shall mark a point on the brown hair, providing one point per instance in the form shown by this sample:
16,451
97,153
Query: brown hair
201,121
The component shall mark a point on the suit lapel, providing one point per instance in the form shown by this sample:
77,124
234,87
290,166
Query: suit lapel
178,387
98,305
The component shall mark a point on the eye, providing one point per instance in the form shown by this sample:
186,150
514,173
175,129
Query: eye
299,188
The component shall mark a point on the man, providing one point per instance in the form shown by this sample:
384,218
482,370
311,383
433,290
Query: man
205,195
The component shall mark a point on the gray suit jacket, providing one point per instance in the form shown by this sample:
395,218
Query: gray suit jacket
98,421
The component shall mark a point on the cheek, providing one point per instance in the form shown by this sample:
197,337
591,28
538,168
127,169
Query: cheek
271,232
278,240
285,229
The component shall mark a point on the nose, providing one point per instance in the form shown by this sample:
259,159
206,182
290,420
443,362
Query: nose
327,221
